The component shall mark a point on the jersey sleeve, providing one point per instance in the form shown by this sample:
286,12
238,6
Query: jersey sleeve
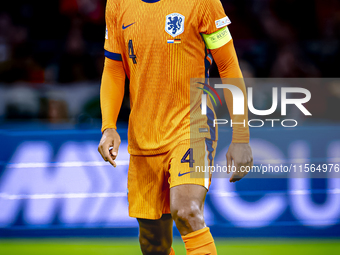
230,72
212,16
112,50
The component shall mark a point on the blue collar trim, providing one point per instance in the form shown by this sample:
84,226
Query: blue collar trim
151,1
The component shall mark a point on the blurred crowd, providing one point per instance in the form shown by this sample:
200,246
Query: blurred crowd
60,42
51,41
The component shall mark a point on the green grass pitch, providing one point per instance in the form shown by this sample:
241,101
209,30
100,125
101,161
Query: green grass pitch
130,246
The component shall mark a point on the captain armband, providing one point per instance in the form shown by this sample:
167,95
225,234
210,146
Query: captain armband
217,39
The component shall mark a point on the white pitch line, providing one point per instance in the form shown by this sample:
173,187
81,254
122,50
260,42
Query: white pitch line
66,164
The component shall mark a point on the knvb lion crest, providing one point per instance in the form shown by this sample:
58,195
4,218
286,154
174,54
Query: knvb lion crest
174,24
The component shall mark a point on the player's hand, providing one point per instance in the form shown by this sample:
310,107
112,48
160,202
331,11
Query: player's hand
242,156
110,140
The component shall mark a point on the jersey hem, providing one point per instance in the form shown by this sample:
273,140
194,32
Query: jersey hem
159,151
147,216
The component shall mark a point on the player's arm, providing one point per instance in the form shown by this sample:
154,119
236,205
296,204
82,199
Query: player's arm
222,49
112,86
111,98
213,26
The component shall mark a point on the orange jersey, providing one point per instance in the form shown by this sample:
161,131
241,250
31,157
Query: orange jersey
161,46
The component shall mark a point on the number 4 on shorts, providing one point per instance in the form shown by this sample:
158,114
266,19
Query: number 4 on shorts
190,154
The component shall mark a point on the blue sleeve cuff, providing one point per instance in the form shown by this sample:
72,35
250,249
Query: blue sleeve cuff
113,56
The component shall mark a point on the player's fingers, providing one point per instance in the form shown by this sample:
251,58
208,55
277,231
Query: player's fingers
237,175
115,147
229,163
103,149
100,150
108,157
243,170
235,178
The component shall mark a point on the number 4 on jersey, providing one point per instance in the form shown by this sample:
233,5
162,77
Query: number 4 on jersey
190,154
132,53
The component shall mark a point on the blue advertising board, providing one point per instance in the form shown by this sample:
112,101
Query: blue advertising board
55,183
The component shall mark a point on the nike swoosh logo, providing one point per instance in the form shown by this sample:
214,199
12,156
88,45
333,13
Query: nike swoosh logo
180,174
128,25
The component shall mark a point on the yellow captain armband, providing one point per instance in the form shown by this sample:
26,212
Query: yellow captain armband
217,39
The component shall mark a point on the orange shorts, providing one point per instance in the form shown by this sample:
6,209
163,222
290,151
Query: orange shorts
151,177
